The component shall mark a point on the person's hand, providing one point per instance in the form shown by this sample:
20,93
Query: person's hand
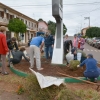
78,65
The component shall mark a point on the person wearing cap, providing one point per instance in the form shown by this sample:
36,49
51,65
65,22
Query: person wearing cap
77,52
17,56
49,43
92,71
35,49
75,42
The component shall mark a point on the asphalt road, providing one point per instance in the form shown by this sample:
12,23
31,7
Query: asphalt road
89,49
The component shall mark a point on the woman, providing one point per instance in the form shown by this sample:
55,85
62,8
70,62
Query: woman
92,71
75,42
3,49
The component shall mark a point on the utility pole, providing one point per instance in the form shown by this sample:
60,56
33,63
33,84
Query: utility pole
88,19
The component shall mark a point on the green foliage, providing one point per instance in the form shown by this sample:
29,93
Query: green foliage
73,64
93,32
40,19
16,25
52,27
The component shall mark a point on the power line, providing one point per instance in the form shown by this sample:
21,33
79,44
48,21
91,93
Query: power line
93,3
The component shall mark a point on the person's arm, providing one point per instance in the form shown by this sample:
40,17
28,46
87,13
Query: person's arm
25,57
41,46
83,63
16,46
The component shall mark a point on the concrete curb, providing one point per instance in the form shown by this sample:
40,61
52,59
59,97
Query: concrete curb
66,79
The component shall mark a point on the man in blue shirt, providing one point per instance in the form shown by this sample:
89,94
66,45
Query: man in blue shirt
92,71
36,46
49,43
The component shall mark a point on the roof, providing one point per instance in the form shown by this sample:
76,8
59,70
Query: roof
15,11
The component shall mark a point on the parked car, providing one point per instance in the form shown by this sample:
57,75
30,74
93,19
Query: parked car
95,40
97,45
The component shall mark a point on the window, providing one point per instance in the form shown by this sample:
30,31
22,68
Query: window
7,16
2,14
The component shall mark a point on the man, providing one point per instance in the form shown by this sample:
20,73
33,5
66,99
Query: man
78,55
36,46
3,50
40,32
49,43
92,70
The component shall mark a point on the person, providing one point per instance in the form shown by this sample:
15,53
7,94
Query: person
67,45
78,55
81,43
65,37
40,32
75,42
11,43
17,56
3,49
49,43
92,71
36,46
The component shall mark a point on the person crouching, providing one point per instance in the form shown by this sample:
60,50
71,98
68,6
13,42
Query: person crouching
92,71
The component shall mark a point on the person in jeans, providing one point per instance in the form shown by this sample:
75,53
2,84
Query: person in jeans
3,50
36,46
92,71
17,56
49,43
75,52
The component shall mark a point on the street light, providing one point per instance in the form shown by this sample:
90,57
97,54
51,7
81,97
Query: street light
88,19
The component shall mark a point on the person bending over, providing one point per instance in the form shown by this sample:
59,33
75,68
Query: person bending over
17,56
92,71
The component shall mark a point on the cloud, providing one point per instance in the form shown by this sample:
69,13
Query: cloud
74,12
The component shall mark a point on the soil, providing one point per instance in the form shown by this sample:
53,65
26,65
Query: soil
50,69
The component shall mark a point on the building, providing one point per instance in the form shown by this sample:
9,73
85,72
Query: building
83,31
7,13
43,25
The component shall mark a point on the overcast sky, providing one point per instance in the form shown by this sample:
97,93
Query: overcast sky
74,12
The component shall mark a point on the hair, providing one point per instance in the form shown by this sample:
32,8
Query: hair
2,28
47,33
13,39
90,55
66,35
22,48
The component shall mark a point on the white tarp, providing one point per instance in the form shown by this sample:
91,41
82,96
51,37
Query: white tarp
46,81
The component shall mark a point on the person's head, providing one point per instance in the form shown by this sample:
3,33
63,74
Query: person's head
13,39
66,36
73,51
75,35
89,56
47,34
22,49
2,29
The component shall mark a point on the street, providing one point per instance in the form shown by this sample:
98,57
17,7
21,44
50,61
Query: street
89,49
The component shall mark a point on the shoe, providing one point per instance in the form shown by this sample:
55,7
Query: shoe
95,80
40,69
4,73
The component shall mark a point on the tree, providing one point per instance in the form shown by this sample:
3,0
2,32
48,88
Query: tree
52,27
93,32
16,25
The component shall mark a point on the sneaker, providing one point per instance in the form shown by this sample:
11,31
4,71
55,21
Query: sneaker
4,73
40,69
95,80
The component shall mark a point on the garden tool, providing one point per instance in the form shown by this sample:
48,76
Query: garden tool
97,84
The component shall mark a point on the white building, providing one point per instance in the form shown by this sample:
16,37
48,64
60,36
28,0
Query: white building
7,13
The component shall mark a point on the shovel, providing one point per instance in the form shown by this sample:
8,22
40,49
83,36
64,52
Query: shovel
98,85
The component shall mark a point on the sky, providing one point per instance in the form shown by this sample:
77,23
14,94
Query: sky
74,12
